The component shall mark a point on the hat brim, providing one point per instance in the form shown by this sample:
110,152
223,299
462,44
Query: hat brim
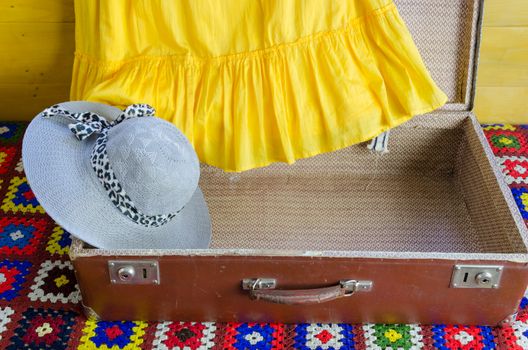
59,171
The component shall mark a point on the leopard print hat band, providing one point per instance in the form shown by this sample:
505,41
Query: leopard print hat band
85,124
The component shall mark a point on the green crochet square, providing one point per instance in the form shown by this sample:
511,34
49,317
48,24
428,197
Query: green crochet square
505,141
393,336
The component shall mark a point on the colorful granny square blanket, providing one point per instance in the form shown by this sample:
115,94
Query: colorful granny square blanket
40,303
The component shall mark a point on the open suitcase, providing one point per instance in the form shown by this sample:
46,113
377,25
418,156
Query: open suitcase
427,233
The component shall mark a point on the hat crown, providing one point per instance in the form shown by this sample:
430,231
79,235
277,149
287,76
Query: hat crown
154,163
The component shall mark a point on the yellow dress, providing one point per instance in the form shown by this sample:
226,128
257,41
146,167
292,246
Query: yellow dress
251,82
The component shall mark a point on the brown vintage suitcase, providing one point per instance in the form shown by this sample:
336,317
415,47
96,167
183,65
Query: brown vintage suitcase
427,233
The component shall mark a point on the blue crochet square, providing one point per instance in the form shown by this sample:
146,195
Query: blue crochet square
521,198
12,276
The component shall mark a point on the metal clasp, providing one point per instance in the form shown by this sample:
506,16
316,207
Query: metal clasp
259,283
352,286
133,272
476,276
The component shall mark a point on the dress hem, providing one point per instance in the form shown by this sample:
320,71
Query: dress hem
350,142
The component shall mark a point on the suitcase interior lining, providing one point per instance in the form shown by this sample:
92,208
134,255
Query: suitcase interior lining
430,193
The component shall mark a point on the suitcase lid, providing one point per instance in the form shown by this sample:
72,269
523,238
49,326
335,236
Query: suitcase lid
447,34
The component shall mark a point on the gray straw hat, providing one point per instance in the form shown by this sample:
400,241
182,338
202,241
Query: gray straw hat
116,179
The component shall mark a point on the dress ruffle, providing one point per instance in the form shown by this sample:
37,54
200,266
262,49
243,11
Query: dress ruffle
317,94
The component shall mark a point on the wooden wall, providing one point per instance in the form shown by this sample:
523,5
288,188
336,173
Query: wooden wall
502,85
37,42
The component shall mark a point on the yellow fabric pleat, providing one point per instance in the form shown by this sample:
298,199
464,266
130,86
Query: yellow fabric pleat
251,82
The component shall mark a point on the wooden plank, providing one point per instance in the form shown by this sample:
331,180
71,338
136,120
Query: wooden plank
494,74
24,101
504,13
36,52
36,11
502,104
505,45
503,57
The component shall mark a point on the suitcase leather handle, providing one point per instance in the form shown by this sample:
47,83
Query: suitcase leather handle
260,290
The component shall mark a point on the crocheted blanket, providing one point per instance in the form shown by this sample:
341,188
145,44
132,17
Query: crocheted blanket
40,300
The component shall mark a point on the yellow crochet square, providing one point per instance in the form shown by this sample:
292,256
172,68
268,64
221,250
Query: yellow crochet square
123,335
489,127
20,198
59,242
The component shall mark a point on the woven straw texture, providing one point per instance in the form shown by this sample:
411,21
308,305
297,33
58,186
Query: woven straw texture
40,306
65,182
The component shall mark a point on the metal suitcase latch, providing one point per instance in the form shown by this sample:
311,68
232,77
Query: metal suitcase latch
134,272
476,276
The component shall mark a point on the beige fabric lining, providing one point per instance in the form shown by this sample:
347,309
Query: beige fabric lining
487,205
445,31
434,192
351,199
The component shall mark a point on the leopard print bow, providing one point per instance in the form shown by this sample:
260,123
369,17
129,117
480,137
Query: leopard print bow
87,123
